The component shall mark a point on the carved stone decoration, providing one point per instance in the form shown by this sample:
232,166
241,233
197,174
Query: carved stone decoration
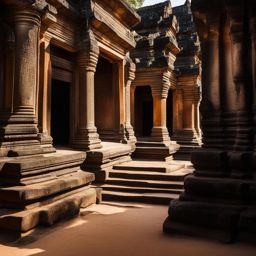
186,124
130,69
154,56
219,197
21,123
87,58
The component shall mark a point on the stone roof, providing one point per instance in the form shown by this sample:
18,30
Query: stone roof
187,61
156,37
154,16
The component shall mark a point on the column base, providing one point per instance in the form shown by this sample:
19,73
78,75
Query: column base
155,151
160,134
87,139
219,208
189,140
101,161
46,143
129,137
21,148
210,162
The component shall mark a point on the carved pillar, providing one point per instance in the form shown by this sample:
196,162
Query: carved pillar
132,100
27,24
44,93
253,42
159,131
213,149
228,87
19,128
130,69
190,101
210,105
197,101
227,200
86,136
241,65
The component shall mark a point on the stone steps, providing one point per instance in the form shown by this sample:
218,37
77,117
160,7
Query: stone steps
152,198
149,166
145,182
129,189
153,176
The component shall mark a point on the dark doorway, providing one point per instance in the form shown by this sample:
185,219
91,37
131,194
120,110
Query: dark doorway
60,112
169,112
143,111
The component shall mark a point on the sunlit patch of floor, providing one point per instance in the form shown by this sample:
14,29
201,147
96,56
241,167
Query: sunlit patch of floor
12,251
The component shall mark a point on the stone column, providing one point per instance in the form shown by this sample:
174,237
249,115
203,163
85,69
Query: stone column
241,157
160,93
19,128
132,103
44,93
27,23
213,149
86,136
210,105
253,42
228,87
188,132
130,69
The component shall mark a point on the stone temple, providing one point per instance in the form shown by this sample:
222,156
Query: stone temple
101,101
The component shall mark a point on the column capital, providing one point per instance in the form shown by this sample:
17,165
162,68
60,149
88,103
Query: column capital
161,89
130,69
89,52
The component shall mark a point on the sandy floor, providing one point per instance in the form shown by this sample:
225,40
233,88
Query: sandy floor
123,230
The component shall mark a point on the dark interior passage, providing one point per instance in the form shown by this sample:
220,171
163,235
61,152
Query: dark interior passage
143,111
60,112
169,112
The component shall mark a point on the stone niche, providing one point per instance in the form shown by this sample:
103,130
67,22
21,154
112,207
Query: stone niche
219,198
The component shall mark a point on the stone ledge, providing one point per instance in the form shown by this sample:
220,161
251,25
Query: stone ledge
23,221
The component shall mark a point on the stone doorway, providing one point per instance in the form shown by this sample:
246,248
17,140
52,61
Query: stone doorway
60,112
144,111
169,112
106,99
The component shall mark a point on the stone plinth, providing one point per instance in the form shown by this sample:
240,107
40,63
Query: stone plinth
101,161
43,189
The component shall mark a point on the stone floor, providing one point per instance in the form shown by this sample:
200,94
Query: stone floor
117,229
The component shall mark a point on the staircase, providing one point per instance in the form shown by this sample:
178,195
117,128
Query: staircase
146,182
